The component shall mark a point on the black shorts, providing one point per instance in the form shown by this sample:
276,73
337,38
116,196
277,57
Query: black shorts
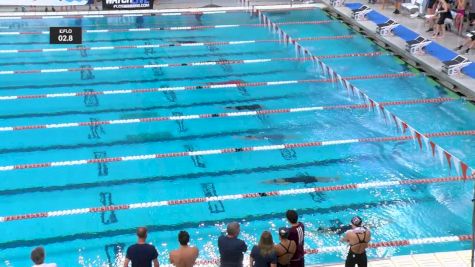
471,16
442,17
473,37
353,259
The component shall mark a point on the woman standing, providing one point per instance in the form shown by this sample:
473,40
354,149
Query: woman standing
285,249
460,7
263,255
443,11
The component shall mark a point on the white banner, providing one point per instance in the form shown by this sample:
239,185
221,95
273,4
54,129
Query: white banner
42,2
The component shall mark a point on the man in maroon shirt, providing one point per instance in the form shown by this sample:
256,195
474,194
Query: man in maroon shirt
296,233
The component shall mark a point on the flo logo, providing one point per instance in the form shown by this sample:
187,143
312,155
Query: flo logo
127,4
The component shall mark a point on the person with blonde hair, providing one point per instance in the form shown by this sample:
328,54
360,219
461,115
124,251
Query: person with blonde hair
263,254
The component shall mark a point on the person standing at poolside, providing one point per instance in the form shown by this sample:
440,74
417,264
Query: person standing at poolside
285,250
141,254
358,238
263,255
231,248
185,256
38,257
297,234
443,11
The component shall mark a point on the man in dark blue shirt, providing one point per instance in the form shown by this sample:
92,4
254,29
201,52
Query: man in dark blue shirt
141,254
231,248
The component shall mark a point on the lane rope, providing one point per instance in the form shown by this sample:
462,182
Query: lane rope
186,64
220,115
218,85
300,51
103,48
150,13
226,151
180,28
131,13
155,204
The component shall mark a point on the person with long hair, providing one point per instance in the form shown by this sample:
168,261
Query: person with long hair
443,11
263,254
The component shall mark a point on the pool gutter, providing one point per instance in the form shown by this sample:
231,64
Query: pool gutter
462,85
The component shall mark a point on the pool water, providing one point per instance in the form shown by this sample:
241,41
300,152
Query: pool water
99,239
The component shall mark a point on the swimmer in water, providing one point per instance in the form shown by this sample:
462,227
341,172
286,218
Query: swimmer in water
305,179
246,107
337,228
198,17
278,137
185,42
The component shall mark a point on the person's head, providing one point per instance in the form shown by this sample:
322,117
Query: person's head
292,216
356,221
266,244
284,233
233,229
38,255
183,238
142,233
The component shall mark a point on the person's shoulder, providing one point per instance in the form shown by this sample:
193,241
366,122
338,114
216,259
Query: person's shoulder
150,247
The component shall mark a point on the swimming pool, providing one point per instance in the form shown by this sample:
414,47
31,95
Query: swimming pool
126,77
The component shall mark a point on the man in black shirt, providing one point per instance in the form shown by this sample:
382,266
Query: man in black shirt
141,254
231,248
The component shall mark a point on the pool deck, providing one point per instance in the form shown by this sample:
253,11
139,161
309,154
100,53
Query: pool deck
462,84
440,259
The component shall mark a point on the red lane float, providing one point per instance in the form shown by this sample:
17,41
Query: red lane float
229,150
102,48
219,115
187,64
200,87
154,204
180,28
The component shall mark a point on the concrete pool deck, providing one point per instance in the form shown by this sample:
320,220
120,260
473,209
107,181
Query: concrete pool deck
432,66
440,259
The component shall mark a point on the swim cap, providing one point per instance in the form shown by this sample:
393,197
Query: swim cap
284,232
356,221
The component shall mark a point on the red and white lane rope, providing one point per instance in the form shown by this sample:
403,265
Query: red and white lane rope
180,28
228,150
301,51
130,13
155,204
397,243
219,115
186,64
149,13
218,85
103,48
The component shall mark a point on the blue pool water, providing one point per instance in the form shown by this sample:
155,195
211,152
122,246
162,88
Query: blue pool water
394,213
